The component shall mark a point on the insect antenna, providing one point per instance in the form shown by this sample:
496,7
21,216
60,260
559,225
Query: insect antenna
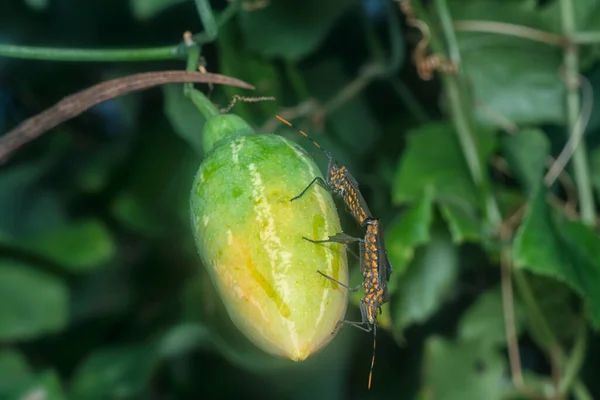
314,142
373,358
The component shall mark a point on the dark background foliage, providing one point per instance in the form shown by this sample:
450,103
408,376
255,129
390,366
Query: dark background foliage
102,294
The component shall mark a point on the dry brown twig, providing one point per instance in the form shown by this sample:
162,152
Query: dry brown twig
73,105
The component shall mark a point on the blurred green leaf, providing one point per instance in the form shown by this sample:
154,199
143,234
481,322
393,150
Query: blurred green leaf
186,120
433,160
410,230
586,13
484,320
465,370
25,207
155,193
427,283
45,385
146,9
183,338
32,303
14,370
463,221
521,12
135,215
37,5
290,30
115,373
536,246
564,250
512,79
526,153
559,306
509,199
80,246
583,247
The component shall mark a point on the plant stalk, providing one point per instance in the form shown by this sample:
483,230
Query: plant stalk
461,118
83,55
571,71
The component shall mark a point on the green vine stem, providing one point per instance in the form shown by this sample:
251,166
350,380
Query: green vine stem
461,117
204,105
178,51
575,361
83,55
571,72
193,60
585,37
207,17
580,392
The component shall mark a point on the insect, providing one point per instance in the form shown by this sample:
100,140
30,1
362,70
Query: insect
375,265
376,269
340,182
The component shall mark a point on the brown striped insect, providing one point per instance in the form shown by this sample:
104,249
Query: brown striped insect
339,181
375,265
376,269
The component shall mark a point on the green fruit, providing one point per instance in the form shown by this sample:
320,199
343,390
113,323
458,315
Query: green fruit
249,236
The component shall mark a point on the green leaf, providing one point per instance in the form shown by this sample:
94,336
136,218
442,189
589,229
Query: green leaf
288,29
563,250
32,303
186,120
45,385
434,159
409,231
24,207
146,9
14,370
115,373
135,215
586,13
80,246
158,181
510,199
526,153
465,370
559,305
427,283
463,221
536,246
484,320
512,79
183,338
583,247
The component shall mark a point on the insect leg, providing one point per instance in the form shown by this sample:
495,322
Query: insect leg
337,238
340,283
362,325
317,180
